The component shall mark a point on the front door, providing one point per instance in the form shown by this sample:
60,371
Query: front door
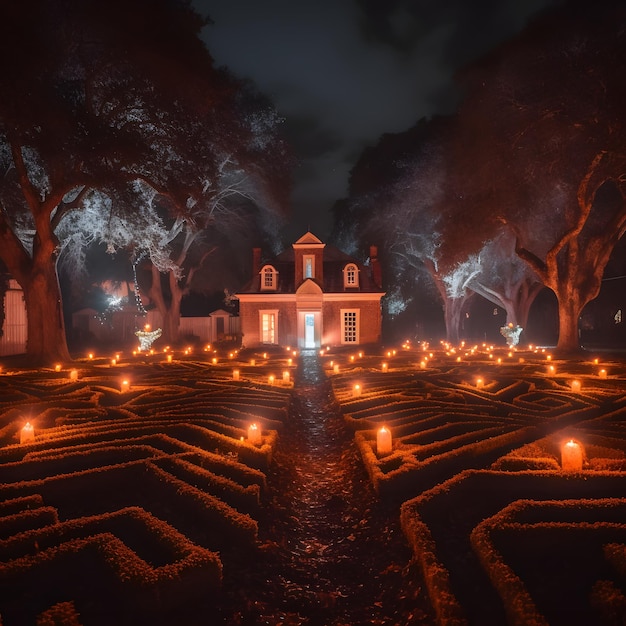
309,330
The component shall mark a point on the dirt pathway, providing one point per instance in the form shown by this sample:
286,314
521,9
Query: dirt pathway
331,553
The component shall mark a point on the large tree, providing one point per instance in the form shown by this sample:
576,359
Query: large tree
540,142
101,96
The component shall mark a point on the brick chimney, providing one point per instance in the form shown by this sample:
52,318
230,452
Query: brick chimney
256,262
377,275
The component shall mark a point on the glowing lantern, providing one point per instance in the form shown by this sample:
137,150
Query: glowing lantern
169,358
254,434
551,369
265,355
571,456
480,383
356,390
235,374
27,433
576,386
90,356
113,362
290,362
286,377
271,379
252,362
73,375
423,365
336,368
596,361
383,441
57,367
602,373
214,360
384,367
125,386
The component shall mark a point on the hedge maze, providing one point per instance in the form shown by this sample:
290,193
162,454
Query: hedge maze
501,533
126,505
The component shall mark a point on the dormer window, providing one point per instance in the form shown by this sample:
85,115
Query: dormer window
309,266
351,275
269,278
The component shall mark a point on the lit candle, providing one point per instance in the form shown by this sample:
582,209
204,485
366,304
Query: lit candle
27,433
125,386
90,356
113,362
356,390
290,362
169,358
575,385
265,355
271,379
384,367
253,362
602,373
571,457
214,361
383,441
551,369
73,375
254,434
479,383
286,377
596,361
235,374
336,368
57,367
423,365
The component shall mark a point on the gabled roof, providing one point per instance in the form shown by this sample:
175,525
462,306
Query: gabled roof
308,239
334,262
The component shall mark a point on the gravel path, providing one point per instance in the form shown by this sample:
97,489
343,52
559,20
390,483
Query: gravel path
331,554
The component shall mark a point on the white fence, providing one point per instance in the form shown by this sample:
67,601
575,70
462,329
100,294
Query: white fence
15,327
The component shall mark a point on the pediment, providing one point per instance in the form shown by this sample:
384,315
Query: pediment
309,288
308,239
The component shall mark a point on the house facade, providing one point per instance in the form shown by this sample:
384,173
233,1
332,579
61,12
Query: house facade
311,296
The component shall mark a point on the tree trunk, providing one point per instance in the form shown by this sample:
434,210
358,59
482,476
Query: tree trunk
170,312
570,308
47,342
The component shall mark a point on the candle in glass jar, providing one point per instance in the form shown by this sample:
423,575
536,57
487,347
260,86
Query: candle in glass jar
27,433
254,434
571,456
383,441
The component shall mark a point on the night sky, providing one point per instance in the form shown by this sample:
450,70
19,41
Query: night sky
344,72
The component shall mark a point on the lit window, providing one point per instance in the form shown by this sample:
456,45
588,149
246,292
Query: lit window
349,326
350,275
268,277
309,266
268,326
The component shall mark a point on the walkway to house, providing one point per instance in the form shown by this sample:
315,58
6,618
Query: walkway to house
331,553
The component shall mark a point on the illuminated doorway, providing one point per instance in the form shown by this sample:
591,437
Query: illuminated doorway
309,330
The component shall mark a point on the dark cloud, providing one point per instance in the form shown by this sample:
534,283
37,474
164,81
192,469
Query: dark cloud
344,72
